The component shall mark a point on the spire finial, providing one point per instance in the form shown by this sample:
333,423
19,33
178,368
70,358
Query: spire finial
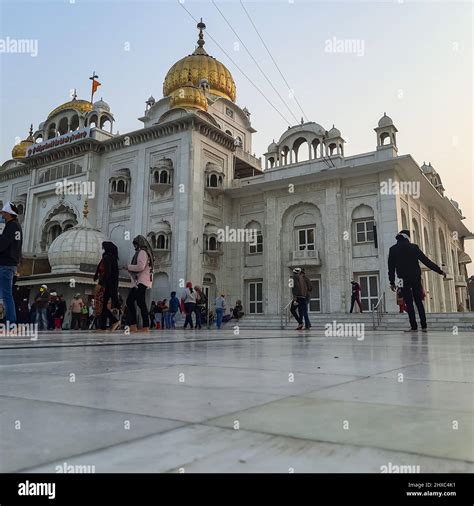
31,129
74,95
201,27
85,211
302,120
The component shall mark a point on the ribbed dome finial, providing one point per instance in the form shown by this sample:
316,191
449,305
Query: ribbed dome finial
85,211
201,27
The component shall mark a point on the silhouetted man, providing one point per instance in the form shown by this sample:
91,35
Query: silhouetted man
403,258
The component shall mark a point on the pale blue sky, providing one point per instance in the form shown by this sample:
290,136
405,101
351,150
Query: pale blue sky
417,66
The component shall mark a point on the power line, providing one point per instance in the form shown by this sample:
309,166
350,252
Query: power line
254,60
273,59
238,68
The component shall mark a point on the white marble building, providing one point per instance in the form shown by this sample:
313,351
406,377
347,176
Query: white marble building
189,171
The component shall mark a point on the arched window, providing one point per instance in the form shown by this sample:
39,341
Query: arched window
121,186
161,242
213,181
404,220
301,149
114,186
20,208
52,131
164,177
416,232
305,230
442,243
212,244
254,238
156,176
427,241
53,232
383,137
74,123
63,126
228,132
332,148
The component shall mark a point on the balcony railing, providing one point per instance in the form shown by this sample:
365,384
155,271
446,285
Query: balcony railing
247,157
304,257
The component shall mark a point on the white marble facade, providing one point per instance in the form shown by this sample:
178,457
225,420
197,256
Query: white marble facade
189,171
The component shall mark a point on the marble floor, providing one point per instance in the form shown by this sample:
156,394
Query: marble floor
261,401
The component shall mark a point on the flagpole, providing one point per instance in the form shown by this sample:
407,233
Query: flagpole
93,78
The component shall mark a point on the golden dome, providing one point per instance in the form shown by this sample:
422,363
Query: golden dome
188,96
19,150
201,66
81,106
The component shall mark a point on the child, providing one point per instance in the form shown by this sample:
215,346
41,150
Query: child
400,301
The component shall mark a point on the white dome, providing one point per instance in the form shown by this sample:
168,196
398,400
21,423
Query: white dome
81,244
310,128
385,121
334,132
100,105
272,148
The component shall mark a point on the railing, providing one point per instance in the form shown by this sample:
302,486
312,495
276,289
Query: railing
285,315
378,310
305,254
252,160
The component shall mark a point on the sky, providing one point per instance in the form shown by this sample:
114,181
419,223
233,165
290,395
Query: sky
413,60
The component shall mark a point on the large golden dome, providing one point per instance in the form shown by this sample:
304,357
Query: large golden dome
81,106
19,150
201,66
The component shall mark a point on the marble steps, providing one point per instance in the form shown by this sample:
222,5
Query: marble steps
390,321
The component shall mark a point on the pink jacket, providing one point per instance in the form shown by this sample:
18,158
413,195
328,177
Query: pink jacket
140,273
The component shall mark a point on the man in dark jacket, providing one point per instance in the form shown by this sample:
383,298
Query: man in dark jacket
42,301
403,258
300,290
10,252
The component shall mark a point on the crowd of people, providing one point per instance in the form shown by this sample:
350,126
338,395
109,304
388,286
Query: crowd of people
108,312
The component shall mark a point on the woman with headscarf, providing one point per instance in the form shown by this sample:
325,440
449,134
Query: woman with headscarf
107,277
141,274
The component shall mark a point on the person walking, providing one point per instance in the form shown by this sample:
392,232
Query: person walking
42,301
309,289
152,314
238,310
201,302
76,310
59,313
355,296
165,314
220,308
141,275
300,290
11,241
23,315
107,277
189,301
174,307
403,259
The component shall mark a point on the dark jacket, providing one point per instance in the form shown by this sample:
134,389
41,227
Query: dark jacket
403,258
107,272
301,286
174,304
42,299
10,243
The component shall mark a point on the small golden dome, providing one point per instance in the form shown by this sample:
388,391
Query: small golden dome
201,66
19,150
188,96
81,106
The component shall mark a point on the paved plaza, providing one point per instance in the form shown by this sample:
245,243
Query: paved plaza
262,401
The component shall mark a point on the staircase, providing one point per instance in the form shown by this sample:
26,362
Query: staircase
389,321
